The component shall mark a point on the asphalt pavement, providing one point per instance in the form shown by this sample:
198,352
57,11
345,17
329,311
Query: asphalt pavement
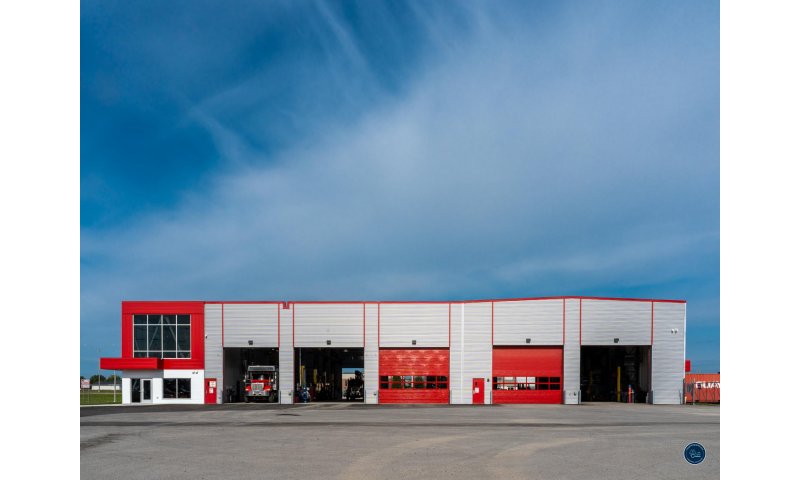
354,441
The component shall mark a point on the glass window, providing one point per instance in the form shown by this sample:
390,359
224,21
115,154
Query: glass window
419,381
184,340
162,336
184,388
397,382
407,381
154,337
140,337
442,382
169,337
170,388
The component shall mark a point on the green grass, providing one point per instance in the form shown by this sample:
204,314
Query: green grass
99,398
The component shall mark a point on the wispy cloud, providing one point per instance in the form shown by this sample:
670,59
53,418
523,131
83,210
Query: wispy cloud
561,158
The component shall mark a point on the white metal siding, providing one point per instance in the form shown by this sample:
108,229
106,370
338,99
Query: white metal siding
371,354
342,324
471,347
213,345
456,354
572,352
402,323
541,321
286,358
668,352
256,322
605,320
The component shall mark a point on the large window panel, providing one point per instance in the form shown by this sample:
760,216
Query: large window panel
184,337
177,388
154,336
170,388
162,336
140,337
170,337
184,388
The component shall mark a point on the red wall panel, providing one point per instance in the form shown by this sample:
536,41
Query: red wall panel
527,362
197,312
414,361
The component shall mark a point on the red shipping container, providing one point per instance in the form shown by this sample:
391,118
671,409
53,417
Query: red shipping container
702,387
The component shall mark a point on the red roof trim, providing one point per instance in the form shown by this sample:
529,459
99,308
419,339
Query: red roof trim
358,302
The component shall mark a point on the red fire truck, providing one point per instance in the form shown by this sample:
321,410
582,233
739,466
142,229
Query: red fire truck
261,383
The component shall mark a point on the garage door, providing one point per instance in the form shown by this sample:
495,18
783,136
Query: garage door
411,375
526,374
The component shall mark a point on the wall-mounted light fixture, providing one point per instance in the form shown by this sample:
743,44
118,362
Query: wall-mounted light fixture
527,340
250,342
413,342
327,342
616,340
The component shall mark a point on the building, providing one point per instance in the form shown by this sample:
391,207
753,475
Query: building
531,350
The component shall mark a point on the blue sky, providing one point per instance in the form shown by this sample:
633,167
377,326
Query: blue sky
388,150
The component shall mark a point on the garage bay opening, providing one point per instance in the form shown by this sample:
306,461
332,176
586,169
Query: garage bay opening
250,375
615,374
329,374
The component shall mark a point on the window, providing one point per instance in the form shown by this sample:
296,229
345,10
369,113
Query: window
162,336
526,383
412,382
177,388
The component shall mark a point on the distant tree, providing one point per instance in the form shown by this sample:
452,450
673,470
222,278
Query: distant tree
114,378
83,378
95,379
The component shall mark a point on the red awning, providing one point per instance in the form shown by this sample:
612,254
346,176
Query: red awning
130,363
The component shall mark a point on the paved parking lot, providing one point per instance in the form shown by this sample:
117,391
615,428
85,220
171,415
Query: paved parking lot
354,441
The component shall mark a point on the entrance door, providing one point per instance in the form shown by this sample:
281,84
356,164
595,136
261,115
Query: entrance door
146,394
477,391
211,391
136,390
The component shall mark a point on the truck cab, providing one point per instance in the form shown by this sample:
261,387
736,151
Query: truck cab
260,383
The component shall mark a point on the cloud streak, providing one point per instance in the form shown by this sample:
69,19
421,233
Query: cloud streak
561,159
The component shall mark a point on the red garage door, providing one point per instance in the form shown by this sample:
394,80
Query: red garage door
526,375
412,375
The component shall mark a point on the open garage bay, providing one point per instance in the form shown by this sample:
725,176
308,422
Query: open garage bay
340,440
